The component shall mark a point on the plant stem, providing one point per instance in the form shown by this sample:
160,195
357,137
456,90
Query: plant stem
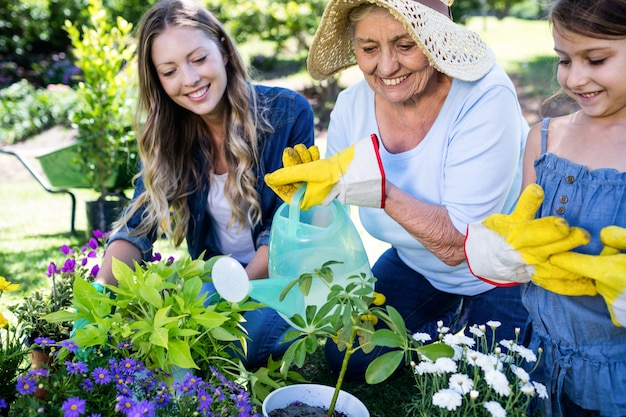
344,367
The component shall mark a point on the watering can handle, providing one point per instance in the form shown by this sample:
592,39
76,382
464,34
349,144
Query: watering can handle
294,210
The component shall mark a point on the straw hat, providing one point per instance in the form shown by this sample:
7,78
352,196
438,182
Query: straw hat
450,48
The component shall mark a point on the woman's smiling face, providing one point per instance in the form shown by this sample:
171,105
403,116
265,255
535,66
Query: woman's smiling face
191,69
392,63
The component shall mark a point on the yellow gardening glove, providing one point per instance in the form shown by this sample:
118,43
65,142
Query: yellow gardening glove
512,249
299,154
608,270
354,175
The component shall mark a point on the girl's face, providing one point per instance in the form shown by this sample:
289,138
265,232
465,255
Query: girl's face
191,69
592,71
392,63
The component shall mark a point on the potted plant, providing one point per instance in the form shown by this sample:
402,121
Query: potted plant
350,313
12,352
30,312
105,152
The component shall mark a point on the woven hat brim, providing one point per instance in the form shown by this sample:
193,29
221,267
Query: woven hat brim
452,49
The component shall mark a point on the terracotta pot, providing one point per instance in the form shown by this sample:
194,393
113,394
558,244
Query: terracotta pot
314,395
38,360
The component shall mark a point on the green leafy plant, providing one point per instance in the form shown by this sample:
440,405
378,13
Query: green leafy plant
348,318
104,54
79,263
160,310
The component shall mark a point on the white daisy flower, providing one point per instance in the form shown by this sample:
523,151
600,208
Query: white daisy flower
445,365
476,331
527,388
421,337
498,382
425,367
448,399
524,352
542,392
460,383
495,409
520,373
458,340
494,324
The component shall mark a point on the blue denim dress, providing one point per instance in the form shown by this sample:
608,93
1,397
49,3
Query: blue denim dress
584,353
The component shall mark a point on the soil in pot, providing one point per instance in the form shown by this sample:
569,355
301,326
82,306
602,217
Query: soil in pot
299,409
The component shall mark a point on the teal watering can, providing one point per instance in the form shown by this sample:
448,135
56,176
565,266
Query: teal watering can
300,242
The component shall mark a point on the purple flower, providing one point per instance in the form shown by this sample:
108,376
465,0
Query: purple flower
204,401
66,250
75,368
26,385
93,244
142,408
52,270
94,270
44,341
3,404
40,372
69,345
69,265
156,257
87,385
124,404
99,235
125,344
101,376
73,407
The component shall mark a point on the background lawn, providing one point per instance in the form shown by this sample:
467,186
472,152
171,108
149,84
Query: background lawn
34,224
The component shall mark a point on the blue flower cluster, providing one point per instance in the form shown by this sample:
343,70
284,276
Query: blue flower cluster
106,386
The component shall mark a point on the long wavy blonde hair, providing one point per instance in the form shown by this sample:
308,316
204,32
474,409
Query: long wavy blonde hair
170,138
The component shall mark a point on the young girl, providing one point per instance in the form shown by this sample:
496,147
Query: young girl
206,138
580,161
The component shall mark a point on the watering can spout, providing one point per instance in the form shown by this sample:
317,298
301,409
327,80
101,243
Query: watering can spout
232,283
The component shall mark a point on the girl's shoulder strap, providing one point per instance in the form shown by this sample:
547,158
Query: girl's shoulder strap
544,134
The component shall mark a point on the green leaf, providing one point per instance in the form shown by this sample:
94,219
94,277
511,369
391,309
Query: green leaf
383,366
387,338
179,354
396,320
210,319
435,351
287,288
305,282
219,333
151,295
299,354
160,337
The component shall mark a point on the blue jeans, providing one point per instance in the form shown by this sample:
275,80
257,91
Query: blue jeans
422,305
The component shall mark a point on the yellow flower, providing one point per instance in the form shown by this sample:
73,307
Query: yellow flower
3,321
7,286
379,298
369,317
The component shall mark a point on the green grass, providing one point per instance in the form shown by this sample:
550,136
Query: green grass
34,224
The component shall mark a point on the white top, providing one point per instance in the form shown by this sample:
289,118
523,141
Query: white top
470,162
232,240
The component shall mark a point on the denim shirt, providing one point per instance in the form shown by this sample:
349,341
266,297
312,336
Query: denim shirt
291,117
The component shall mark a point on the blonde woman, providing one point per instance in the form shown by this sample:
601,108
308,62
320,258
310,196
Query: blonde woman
206,137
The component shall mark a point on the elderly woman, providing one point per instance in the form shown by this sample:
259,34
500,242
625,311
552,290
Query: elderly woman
444,137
